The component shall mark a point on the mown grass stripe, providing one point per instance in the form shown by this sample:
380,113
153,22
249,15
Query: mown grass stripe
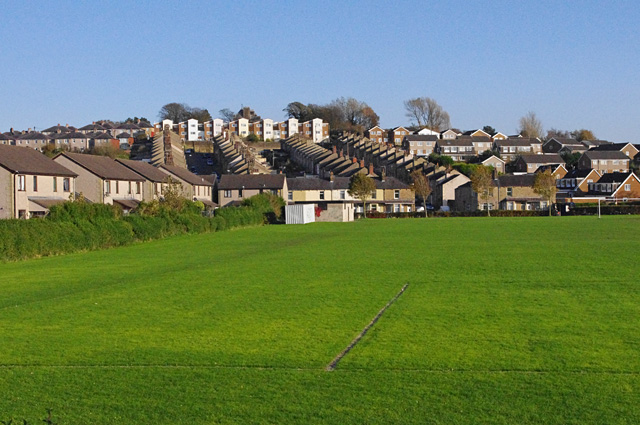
334,363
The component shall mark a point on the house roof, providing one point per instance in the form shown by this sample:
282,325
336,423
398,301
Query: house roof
519,141
34,135
57,128
251,181
302,183
492,158
456,142
94,127
124,135
128,126
145,169
518,180
614,177
545,158
22,160
610,147
99,135
578,174
421,137
186,175
102,166
605,154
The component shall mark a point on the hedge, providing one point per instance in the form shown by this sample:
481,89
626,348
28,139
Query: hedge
81,226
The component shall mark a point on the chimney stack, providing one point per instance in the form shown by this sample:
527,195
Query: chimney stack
340,154
355,160
335,149
362,163
331,176
370,168
383,174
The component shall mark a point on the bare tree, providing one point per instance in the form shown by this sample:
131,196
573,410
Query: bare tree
545,186
530,126
420,184
482,184
426,112
227,114
176,112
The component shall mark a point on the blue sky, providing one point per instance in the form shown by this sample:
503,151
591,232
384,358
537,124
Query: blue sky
575,64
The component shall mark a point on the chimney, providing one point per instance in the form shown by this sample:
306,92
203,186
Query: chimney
355,160
383,174
340,154
335,149
331,176
362,163
370,168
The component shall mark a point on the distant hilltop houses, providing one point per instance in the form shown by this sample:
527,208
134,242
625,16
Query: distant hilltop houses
122,135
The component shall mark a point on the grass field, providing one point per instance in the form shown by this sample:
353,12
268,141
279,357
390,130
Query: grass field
505,321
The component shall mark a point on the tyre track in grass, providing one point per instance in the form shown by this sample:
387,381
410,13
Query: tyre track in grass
334,363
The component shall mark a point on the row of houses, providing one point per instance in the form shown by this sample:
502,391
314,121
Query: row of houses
30,182
265,129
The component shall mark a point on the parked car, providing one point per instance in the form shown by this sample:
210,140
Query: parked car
188,151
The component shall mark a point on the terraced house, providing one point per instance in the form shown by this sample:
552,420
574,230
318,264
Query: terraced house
30,183
103,180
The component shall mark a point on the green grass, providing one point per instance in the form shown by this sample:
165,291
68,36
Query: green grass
509,320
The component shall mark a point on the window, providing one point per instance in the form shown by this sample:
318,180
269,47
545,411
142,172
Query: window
240,193
22,183
509,191
373,195
117,186
130,189
227,194
322,194
627,188
342,194
290,195
66,184
138,185
55,184
35,183
107,187
396,194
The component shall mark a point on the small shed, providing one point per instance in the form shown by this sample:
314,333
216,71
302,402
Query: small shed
300,213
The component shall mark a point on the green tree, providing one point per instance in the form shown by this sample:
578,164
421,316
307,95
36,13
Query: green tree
361,187
420,184
544,185
489,130
482,184
571,159
583,134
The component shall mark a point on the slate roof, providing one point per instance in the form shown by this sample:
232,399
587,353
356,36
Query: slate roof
609,147
577,174
251,181
102,166
57,128
421,138
23,160
302,183
128,126
455,142
614,177
94,127
605,154
519,141
145,169
186,175
546,158
34,135
517,180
